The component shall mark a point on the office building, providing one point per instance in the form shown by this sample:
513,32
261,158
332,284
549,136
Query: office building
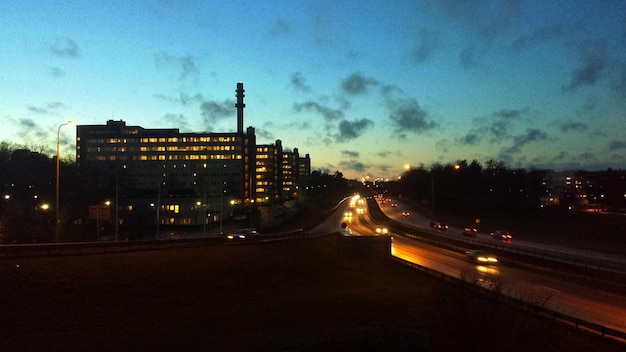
179,178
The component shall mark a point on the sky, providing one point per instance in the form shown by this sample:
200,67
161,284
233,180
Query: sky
364,88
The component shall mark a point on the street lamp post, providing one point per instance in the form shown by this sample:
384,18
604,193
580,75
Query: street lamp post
56,208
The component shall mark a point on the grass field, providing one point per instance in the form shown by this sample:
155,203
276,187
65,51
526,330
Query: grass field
283,296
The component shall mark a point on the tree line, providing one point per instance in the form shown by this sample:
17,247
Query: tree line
27,206
496,187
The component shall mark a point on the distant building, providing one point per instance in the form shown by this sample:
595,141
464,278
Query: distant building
188,178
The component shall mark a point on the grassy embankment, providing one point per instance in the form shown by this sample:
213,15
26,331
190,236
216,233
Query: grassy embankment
294,295
283,296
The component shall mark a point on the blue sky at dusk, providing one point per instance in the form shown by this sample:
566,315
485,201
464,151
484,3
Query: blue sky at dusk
363,87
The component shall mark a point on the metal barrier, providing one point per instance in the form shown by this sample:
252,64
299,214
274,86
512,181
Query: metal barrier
438,237
524,304
81,248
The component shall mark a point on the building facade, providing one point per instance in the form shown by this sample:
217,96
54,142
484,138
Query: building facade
167,177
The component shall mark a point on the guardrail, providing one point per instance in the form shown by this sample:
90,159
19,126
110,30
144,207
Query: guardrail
434,236
80,248
528,303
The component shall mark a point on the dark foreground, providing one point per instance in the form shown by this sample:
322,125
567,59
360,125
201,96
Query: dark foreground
284,296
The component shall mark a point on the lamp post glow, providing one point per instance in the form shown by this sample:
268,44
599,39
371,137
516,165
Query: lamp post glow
56,208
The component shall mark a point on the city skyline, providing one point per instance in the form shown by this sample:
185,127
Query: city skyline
364,90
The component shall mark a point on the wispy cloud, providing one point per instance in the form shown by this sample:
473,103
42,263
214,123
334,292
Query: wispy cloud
591,68
176,120
212,112
182,98
510,113
353,165
329,114
426,43
469,139
573,126
298,82
281,27
617,145
56,72
349,130
546,32
65,47
350,154
356,83
49,108
29,130
264,134
531,135
184,66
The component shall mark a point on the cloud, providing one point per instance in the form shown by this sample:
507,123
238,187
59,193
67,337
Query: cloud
352,165
280,27
182,98
499,124
357,84
185,66
426,44
486,19
350,154
31,131
56,72
297,82
264,134
510,113
617,145
532,135
469,57
542,33
351,130
573,126
321,24
65,47
469,139
328,113
213,111
176,120
50,108
407,116
591,67
619,81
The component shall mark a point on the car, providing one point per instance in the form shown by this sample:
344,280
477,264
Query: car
242,234
501,235
394,205
381,230
469,232
481,257
406,213
439,226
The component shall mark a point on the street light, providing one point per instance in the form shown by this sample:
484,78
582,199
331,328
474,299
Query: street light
57,178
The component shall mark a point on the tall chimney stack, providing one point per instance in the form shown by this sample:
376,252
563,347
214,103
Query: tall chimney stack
240,105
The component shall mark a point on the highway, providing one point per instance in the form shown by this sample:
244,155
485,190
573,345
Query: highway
543,287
